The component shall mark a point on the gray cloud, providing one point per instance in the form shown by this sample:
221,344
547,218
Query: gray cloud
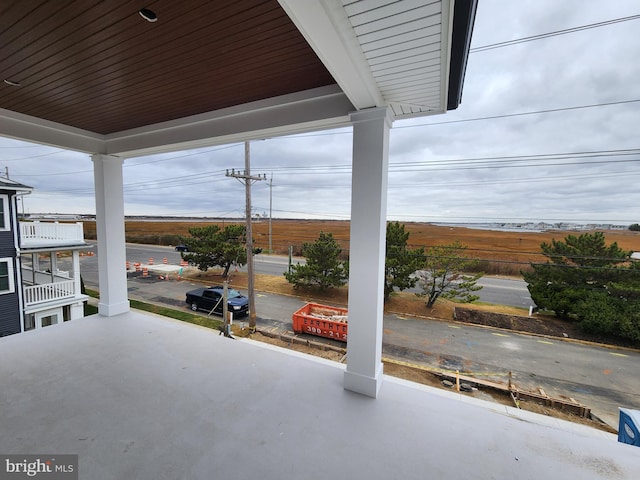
433,173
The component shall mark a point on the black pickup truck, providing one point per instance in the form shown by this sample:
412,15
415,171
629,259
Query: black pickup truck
210,299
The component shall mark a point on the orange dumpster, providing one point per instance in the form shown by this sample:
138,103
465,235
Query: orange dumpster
321,320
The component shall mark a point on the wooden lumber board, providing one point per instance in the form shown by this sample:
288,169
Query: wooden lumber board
570,405
477,381
559,403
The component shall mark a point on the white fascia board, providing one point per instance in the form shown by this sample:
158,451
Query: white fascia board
36,130
316,109
326,27
445,51
56,248
19,191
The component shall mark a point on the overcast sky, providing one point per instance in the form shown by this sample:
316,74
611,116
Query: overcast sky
575,164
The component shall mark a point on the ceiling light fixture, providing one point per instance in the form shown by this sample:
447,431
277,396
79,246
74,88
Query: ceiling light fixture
11,82
148,15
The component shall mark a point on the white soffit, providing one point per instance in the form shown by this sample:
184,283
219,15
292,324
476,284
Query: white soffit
380,52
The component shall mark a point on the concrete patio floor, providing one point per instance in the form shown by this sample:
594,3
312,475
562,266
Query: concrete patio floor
143,397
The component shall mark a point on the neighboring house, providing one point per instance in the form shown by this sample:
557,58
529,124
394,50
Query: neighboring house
10,292
39,268
635,256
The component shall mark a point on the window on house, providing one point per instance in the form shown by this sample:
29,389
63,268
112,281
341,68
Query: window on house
49,320
4,212
6,276
29,322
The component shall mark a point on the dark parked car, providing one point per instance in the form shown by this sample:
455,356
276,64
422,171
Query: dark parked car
182,248
211,299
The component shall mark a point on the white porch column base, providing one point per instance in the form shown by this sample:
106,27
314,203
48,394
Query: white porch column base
364,384
76,311
367,250
112,254
110,309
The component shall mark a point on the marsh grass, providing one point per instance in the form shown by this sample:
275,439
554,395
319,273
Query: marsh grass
505,253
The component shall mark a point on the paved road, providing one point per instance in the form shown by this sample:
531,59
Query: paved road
601,378
499,291
505,291
496,290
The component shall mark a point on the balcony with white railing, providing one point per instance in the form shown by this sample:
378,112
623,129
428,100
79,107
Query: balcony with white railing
49,292
50,234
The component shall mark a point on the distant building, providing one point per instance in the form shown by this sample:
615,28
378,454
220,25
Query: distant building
39,268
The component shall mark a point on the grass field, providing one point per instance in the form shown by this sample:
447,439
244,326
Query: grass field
504,253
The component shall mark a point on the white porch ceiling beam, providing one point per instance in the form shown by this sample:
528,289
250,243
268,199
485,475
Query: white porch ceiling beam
36,130
326,27
311,110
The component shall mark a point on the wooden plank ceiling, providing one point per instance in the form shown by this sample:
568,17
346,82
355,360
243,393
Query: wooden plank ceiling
101,67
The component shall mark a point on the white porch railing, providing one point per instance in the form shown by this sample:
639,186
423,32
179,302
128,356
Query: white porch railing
49,292
50,234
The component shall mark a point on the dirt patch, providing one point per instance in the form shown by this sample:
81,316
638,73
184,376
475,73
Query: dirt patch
308,348
509,322
424,377
539,325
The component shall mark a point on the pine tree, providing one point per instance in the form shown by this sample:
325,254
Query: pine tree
577,266
211,246
591,282
322,268
401,263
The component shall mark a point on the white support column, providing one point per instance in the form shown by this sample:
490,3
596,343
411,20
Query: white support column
77,309
35,263
75,270
53,263
112,274
367,249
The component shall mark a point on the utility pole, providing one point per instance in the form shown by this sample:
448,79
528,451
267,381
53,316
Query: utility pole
225,309
246,178
270,210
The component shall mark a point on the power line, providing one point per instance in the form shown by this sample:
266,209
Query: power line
348,167
476,162
217,149
520,114
33,156
523,179
544,156
479,163
564,31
